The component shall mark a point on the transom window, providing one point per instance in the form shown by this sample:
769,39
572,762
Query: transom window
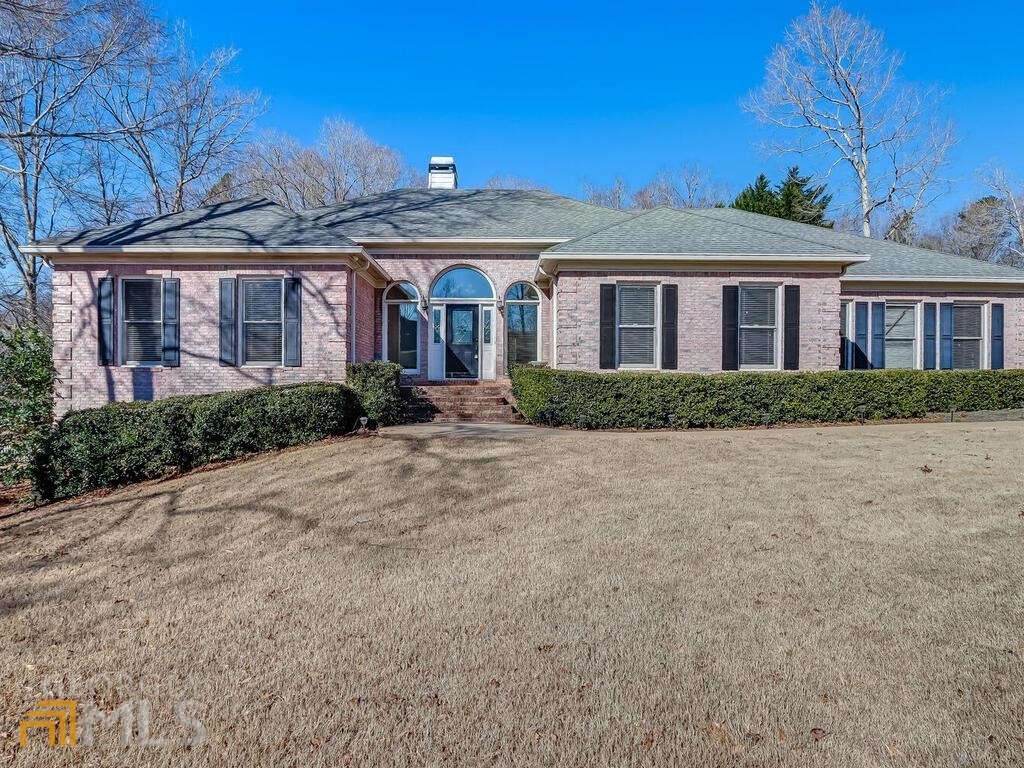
522,313
142,321
967,335
462,283
262,322
758,326
900,335
402,325
637,326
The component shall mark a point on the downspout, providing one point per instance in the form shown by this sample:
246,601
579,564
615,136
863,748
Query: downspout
554,312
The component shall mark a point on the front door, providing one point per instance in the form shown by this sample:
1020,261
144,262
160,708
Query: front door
462,341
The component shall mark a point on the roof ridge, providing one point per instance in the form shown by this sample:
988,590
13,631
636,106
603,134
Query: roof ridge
696,212
919,248
630,217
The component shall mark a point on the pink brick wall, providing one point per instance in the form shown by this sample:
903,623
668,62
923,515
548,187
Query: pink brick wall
1013,311
85,384
366,319
502,270
700,316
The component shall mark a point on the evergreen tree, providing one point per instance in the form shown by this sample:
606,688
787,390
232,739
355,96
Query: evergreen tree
758,197
795,199
799,201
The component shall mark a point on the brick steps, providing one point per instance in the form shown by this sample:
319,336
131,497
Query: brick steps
459,402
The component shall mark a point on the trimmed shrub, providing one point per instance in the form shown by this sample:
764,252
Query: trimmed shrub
377,385
124,443
657,400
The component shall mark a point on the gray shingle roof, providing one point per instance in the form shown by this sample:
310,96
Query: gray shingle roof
887,259
250,223
669,231
465,213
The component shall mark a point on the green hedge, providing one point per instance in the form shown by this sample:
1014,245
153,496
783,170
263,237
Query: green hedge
376,384
656,400
123,443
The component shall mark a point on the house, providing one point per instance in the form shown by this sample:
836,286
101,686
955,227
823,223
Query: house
459,284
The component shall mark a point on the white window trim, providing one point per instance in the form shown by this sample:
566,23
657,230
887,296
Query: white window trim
777,366
419,325
528,302
122,322
657,325
918,353
242,321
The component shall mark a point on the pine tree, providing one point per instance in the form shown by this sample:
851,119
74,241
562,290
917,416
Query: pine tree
795,199
758,197
799,201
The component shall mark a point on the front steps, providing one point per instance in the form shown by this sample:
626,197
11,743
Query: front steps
481,401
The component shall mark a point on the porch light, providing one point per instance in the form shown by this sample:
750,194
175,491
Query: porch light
501,306
423,303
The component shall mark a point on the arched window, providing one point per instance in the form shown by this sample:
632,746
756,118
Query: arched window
462,283
522,324
402,326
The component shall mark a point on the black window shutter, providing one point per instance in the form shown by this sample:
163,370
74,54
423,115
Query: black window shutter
607,339
293,321
945,336
228,321
669,327
791,328
929,336
860,335
996,359
730,327
172,332
105,316
878,334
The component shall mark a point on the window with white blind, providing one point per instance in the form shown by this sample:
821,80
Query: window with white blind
637,326
142,321
967,335
262,322
900,335
758,326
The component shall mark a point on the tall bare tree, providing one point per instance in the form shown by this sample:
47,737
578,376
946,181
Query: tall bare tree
343,164
182,129
833,89
51,54
691,186
1012,197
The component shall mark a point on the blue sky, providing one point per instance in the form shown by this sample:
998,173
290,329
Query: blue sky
563,93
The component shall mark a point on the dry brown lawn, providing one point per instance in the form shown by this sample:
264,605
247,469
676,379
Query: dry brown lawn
847,596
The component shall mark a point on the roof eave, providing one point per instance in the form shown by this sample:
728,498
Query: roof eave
944,280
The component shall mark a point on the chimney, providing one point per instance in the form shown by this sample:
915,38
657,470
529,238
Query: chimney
442,173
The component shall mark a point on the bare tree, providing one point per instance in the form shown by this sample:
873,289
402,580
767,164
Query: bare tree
343,164
500,181
1012,197
614,196
181,128
50,56
691,186
834,87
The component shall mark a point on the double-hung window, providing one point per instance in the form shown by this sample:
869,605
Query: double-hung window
900,335
968,330
637,326
758,326
142,321
262,322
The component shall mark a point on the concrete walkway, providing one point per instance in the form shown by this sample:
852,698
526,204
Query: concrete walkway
463,429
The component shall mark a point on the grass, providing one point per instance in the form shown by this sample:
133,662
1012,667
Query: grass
801,597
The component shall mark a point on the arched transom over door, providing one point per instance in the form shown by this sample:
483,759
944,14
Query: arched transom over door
462,334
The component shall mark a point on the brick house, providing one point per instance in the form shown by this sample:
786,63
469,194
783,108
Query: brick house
457,285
